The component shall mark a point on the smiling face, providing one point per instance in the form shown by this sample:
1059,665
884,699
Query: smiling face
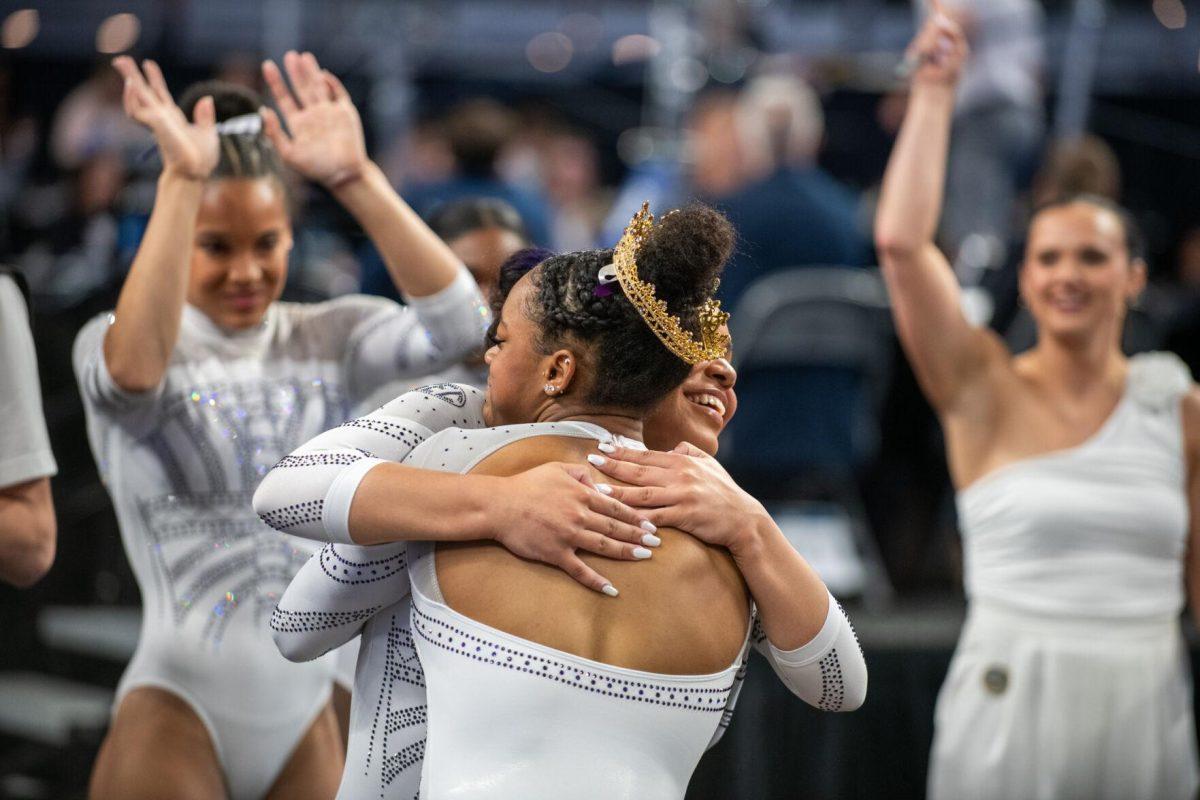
697,411
240,254
1078,278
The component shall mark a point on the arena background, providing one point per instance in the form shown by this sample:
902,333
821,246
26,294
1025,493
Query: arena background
608,103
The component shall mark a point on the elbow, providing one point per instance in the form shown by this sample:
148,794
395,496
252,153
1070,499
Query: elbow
292,645
895,248
33,557
856,695
128,378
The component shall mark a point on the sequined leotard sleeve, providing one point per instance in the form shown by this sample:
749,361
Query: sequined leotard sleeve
344,585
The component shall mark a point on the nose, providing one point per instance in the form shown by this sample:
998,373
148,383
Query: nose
490,355
245,270
721,371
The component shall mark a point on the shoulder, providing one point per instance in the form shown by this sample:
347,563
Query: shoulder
91,334
13,310
440,405
1191,423
1159,380
348,310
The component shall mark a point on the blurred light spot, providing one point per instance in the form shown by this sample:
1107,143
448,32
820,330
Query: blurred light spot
584,30
1170,13
549,52
688,75
634,48
118,33
731,67
20,28
637,145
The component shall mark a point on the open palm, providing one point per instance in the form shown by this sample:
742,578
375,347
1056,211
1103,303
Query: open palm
189,148
326,142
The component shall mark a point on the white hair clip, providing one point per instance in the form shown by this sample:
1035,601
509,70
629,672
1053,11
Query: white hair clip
607,274
243,125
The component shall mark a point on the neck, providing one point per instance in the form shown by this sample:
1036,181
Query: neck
620,423
1078,365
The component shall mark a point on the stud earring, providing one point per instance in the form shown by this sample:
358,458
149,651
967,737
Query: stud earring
549,389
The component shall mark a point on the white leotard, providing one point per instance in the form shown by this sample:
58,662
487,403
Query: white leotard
182,462
325,606
1070,679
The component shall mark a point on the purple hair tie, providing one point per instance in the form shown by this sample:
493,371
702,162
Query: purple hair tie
605,278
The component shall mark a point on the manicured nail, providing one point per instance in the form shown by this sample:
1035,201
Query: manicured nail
605,447
648,526
650,540
603,488
641,552
610,590
595,460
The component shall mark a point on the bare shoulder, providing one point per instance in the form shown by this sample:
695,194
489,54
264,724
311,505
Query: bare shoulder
1191,423
535,451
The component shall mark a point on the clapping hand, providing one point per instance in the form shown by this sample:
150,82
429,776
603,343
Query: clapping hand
326,144
190,149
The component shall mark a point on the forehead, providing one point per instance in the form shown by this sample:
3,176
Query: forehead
515,301
1076,225
486,245
242,203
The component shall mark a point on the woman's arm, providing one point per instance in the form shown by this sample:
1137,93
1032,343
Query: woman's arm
327,145
139,343
1191,427
945,350
345,486
805,634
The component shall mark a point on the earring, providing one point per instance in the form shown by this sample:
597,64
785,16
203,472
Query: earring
550,389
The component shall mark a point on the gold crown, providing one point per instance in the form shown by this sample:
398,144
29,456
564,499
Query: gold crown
665,325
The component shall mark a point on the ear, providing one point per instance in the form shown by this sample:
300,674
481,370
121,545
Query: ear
1137,278
560,369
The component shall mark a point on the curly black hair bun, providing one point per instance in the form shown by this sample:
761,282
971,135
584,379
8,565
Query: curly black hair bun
685,253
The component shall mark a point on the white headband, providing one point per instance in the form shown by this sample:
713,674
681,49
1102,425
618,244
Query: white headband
245,125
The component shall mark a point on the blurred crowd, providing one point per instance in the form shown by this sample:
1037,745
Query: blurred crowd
76,188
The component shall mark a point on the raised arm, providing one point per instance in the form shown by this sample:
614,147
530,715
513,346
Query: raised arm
326,145
139,343
946,352
801,630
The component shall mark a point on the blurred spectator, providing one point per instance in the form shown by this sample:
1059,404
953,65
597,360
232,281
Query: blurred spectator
18,148
92,120
79,254
793,213
1183,331
477,131
998,128
419,158
27,524
571,174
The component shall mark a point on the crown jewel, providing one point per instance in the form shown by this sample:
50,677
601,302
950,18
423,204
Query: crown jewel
665,325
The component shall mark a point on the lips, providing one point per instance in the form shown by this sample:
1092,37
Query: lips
709,401
1068,305
244,302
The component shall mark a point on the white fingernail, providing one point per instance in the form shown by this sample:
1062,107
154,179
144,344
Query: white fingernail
648,526
595,460
605,447
641,552
610,590
650,540
603,488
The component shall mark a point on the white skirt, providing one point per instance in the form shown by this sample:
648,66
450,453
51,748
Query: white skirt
1038,708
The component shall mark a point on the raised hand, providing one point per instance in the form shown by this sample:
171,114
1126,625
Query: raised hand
685,489
326,142
550,512
939,50
190,149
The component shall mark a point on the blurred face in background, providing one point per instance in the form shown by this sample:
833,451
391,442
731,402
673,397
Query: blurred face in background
484,251
240,251
1078,278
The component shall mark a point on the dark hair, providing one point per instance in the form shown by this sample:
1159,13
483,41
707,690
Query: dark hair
460,217
1135,242
243,155
682,257
476,131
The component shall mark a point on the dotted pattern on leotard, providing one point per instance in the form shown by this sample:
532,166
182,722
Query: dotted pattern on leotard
401,718
294,515
350,573
833,688
318,460
399,432
449,392
399,761
454,640
400,665
286,621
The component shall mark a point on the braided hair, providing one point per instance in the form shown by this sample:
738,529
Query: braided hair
243,155
682,257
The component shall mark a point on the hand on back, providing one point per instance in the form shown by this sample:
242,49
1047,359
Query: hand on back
326,142
189,149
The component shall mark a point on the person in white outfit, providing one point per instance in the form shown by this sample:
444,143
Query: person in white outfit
199,382
1078,480
661,721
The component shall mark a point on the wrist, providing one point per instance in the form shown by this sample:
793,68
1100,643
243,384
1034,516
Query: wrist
173,177
345,181
753,538
479,507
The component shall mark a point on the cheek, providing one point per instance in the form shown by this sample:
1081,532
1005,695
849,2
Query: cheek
206,273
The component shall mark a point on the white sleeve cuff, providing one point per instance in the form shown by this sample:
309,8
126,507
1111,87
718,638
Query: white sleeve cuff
335,514
816,648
